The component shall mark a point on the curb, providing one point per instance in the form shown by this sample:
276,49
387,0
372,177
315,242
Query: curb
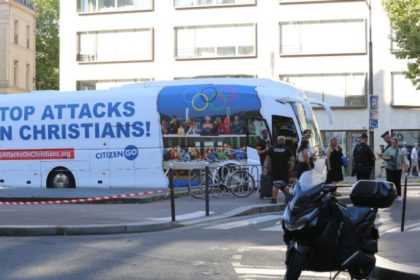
386,269
10,230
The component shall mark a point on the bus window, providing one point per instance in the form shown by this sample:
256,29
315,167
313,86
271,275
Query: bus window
304,123
284,126
254,127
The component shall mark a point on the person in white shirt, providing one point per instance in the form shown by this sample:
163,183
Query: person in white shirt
414,160
406,161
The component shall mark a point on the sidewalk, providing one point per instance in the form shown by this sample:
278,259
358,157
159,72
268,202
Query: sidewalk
398,256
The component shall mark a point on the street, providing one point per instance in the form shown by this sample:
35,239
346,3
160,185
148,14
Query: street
247,247
238,248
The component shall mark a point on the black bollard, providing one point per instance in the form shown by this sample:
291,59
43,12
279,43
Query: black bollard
207,192
404,204
171,192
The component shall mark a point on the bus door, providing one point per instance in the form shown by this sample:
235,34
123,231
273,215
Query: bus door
255,126
285,126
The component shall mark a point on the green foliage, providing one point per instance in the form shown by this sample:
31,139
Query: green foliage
47,44
405,20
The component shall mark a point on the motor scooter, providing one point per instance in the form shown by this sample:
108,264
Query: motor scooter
323,234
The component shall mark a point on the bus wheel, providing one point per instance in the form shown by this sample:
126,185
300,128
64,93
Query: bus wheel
60,177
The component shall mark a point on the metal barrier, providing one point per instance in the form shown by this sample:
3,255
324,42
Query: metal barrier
216,175
222,177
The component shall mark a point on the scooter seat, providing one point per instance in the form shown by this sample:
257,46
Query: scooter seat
356,214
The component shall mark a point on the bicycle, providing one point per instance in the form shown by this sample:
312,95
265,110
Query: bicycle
222,177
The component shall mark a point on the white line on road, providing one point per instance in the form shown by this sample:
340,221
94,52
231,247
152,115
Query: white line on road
272,248
246,222
414,229
277,228
270,272
188,216
258,271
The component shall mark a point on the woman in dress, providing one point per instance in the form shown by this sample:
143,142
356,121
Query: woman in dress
334,162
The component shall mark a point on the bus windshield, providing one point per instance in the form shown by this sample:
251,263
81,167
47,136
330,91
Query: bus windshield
305,123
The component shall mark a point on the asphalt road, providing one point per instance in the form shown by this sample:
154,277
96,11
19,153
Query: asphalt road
237,248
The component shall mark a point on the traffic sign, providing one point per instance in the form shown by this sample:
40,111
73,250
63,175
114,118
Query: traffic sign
373,123
373,102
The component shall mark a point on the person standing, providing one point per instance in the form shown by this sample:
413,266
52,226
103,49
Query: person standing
406,161
387,138
414,159
173,125
281,160
263,145
334,162
303,158
307,134
207,128
394,162
363,158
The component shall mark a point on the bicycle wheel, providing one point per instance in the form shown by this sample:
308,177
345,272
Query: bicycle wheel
197,185
241,183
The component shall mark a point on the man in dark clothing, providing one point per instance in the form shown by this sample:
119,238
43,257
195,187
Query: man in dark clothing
364,159
173,125
263,145
281,159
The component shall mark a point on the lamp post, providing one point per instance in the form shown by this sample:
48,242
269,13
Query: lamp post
370,80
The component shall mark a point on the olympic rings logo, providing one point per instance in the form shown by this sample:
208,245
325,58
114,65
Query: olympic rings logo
209,97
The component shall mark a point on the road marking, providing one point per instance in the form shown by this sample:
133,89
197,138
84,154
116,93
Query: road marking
271,248
188,216
271,272
408,227
246,222
276,228
236,257
254,272
414,229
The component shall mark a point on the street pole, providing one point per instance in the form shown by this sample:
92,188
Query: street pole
370,79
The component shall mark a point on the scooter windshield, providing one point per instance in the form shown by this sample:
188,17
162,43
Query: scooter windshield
308,187
309,179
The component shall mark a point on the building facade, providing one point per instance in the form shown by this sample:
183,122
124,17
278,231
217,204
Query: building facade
17,46
321,46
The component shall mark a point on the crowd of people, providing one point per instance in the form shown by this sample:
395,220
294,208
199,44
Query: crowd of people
224,152
396,159
204,126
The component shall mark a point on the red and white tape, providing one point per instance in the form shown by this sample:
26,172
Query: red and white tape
82,200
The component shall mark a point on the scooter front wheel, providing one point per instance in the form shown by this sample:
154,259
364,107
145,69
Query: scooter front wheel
361,271
295,266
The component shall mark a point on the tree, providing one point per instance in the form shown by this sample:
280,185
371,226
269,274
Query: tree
405,21
47,44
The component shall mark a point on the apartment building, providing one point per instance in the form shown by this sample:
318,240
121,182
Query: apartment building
322,46
17,46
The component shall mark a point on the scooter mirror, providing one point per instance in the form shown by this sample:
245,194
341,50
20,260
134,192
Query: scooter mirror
329,188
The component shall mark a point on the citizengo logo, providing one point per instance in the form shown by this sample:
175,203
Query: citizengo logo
130,152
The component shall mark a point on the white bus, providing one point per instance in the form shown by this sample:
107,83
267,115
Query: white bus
125,136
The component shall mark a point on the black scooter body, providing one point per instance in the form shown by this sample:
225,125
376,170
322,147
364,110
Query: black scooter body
325,235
